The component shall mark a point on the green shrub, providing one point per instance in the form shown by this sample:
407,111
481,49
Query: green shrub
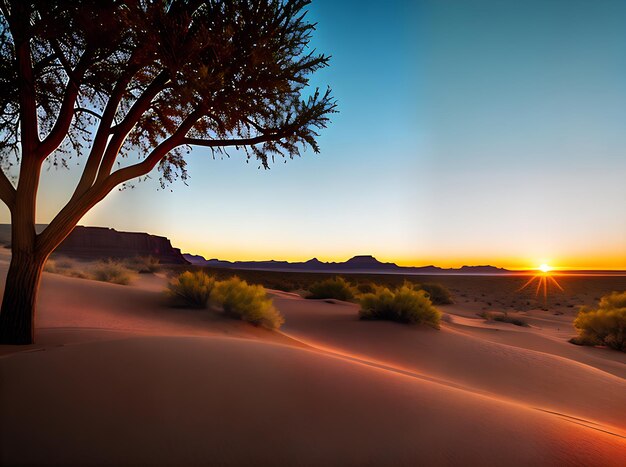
111,271
246,302
605,325
437,293
405,305
503,318
365,287
144,264
192,289
336,287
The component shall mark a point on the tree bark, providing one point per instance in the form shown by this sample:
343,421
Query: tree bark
20,296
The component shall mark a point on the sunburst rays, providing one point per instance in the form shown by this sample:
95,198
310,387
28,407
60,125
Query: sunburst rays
544,279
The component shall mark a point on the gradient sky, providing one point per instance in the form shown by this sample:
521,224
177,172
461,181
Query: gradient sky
470,132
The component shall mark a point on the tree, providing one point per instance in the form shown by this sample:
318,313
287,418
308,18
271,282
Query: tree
102,79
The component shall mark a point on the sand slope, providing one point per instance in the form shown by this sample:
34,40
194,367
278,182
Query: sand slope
118,378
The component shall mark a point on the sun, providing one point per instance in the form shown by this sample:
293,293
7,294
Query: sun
544,268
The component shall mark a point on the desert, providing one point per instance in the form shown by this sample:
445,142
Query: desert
118,377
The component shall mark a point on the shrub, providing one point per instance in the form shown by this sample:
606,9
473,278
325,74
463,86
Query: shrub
437,293
605,325
246,302
503,318
192,289
144,264
365,287
51,266
405,305
337,288
111,271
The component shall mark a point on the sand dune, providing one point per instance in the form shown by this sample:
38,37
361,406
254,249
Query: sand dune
119,378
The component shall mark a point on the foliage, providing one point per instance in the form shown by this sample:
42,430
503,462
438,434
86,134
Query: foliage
337,288
503,318
146,81
192,289
365,287
437,293
246,302
144,264
405,305
111,271
604,325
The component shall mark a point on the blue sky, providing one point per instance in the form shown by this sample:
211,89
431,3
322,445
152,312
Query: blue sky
469,132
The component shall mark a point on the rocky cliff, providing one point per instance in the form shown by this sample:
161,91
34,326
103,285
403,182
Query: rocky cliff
102,242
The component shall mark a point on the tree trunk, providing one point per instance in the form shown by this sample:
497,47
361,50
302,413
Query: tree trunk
20,295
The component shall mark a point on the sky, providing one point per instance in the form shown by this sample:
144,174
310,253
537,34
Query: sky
469,132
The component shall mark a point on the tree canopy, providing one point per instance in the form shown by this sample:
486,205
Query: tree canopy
101,79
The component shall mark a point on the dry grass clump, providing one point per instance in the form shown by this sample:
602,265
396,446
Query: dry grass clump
143,264
191,289
437,293
235,297
111,271
66,267
336,287
605,325
404,305
503,318
247,302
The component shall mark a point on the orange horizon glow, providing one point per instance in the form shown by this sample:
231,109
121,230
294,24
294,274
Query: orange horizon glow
510,263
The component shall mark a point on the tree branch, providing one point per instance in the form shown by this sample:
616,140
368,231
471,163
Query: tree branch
19,24
211,143
66,113
7,191
141,105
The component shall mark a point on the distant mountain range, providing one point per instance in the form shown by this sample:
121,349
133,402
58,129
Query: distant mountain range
361,264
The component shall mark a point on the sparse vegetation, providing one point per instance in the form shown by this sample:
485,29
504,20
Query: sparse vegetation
336,287
437,293
143,264
604,325
236,298
247,302
503,318
191,289
405,305
111,271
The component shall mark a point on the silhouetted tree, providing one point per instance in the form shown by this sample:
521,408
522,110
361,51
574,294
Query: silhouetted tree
103,79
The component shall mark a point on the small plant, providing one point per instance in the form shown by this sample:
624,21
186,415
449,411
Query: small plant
337,288
365,287
605,325
144,264
192,289
111,271
246,302
405,305
51,266
503,318
437,293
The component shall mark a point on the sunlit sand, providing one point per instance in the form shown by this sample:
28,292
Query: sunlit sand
119,377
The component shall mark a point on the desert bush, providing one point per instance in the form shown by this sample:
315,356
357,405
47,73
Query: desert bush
143,264
246,302
65,267
503,318
405,305
51,266
111,271
365,287
437,293
336,287
191,289
605,325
